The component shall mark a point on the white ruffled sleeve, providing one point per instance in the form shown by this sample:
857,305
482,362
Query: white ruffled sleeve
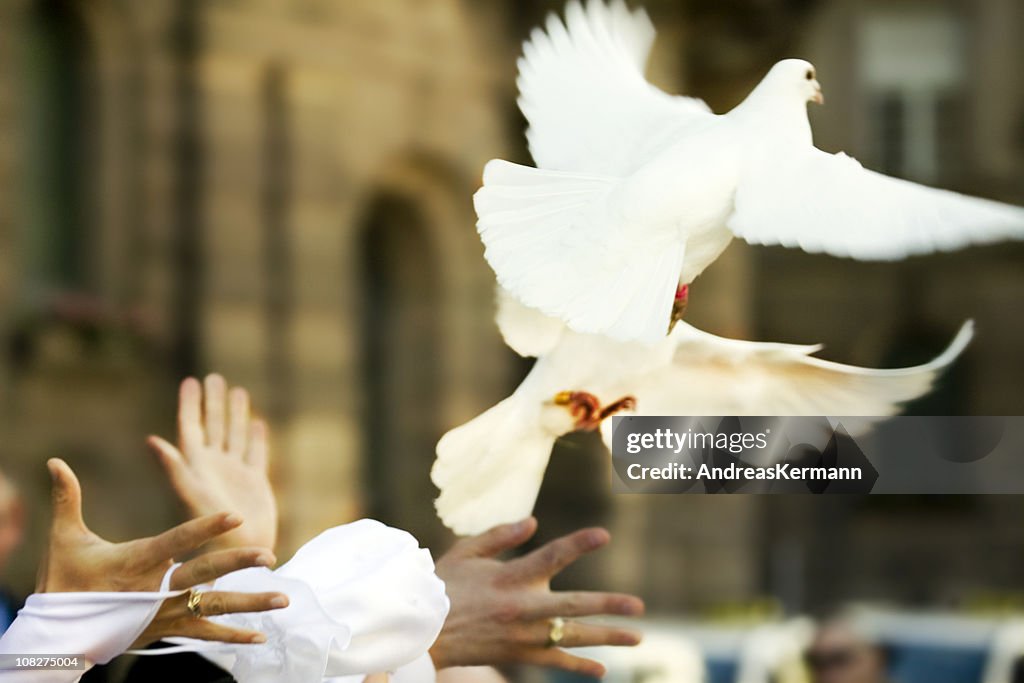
420,670
94,626
364,598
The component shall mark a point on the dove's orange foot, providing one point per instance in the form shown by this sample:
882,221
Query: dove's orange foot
586,408
679,305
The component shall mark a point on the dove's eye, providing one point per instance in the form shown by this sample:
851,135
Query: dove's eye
810,74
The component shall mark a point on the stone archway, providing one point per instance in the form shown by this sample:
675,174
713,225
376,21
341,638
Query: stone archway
429,355
402,380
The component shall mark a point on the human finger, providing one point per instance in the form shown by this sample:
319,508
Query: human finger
258,453
580,634
582,604
213,565
553,557
497,540
214,389
190,415
554,658
169,456
216,603
66,494
186,537
204,629
238,421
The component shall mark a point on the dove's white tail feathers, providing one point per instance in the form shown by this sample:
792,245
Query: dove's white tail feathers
711,375
490,469
845,390
551,238
927,372
583,91
820,387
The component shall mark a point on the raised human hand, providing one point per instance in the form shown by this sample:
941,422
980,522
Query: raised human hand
78,560
501,611
221,462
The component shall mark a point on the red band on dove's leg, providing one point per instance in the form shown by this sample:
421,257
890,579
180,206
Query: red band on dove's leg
679,304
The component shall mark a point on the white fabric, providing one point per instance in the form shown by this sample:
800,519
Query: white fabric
364,599
418,671
98,626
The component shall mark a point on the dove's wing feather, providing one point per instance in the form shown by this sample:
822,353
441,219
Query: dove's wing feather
563,239
559,242
490,469
583,91
714,376
829,203
526,330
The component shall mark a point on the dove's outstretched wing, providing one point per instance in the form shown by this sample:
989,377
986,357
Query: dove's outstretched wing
829,203
583,91
710,375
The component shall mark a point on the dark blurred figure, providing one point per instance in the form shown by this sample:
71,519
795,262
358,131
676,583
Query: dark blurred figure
842,653
12,528
1018,671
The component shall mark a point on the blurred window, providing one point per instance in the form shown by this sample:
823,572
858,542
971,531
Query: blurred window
913,67
59,148
401,376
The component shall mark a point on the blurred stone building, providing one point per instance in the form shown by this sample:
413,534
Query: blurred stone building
280,191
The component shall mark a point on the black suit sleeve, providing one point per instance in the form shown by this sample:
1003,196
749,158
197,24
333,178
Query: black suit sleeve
175,668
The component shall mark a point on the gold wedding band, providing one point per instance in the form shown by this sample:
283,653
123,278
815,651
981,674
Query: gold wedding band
194,598
556,631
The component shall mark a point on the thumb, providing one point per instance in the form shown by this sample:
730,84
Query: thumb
499,539
67,494
169,456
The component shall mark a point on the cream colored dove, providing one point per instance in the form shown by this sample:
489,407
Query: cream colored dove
490,469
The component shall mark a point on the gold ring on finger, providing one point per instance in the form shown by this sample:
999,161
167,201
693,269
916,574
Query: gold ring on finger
194,603
556,631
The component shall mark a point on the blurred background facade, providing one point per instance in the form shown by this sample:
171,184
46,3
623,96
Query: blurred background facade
281,192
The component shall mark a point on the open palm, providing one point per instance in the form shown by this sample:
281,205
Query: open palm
221,462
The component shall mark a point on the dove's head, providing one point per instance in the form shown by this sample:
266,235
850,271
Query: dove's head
797,78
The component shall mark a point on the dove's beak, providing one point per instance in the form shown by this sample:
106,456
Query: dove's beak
818,97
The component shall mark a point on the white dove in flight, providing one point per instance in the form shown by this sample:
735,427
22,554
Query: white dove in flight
637,192
490,469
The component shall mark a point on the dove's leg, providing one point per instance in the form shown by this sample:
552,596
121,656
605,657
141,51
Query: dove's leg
679,305
586,408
